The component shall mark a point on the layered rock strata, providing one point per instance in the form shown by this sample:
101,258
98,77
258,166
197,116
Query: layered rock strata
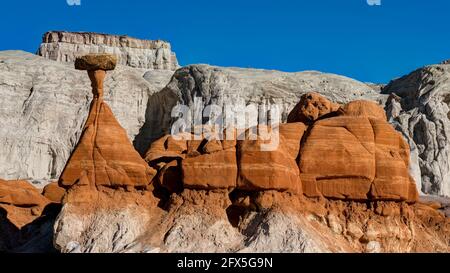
64,46
348,152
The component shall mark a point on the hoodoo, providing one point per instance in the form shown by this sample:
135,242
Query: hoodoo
347,152
106,178
104,155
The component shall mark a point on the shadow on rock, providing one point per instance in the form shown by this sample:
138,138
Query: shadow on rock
35,237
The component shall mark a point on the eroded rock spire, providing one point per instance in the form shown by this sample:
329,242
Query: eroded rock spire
104,155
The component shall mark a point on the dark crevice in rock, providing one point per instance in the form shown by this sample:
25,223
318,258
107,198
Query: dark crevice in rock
237,210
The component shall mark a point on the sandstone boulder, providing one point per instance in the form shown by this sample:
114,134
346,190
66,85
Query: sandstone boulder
338,157
165,155
363,108
392,179
54,192
166,148
210,164
261,169
311,107
22,202
356,156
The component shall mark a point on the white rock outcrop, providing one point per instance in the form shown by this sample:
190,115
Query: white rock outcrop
420,110
148,54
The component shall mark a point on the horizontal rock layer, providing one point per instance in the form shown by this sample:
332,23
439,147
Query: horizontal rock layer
147,54
198,221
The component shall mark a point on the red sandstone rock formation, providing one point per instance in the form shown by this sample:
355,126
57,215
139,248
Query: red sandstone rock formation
353,154
104,156
108,183
311,107
271,170
211,165
54,192
22,202
356,156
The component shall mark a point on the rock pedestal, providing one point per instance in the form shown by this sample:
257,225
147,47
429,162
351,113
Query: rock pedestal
104,156
107,181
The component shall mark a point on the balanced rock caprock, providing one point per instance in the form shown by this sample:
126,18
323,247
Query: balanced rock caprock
104,156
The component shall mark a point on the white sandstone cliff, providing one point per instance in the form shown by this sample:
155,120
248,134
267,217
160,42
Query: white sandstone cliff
148,54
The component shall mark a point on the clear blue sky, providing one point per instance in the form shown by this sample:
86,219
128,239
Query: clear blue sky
348,37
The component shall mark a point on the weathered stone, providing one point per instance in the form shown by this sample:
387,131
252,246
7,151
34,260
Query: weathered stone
340,153
274,169
104,156
214,169
311,107
54,192
43,111
422,116
108,203
92,62
363,108
67,46
166,148
392,179
356,156
22,202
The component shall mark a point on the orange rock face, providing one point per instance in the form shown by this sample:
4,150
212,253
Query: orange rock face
54,192
22,202
212,165
348,153
339,155
362,108
165,155
356,156
166,149
311,107
104,156
271,170
229,164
